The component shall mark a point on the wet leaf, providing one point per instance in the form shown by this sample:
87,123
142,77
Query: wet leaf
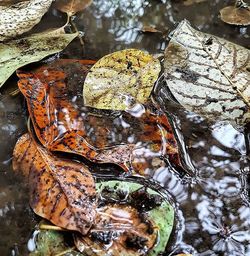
208,75
17,53
21,17
133,221
71,7
136,141
61,191
121,77
238,14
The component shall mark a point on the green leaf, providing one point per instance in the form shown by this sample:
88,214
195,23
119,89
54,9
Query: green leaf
21,17
17,53
120,77
52,243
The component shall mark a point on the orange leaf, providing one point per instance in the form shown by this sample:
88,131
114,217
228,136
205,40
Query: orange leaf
135,142
61,191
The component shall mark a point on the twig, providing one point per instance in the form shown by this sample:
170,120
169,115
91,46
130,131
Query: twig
76,30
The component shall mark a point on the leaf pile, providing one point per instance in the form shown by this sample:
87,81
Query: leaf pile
61,126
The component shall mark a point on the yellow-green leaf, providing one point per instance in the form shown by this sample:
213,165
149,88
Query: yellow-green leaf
17,53
120,77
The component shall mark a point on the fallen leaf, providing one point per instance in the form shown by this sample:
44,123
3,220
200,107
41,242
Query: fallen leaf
17,53
61,191
208,75
139,223
62,123
238,14
21,17
121,77
71,7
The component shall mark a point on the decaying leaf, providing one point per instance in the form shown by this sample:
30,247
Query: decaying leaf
61,191
120,77
238,14
71,7
208,75
134,141
138,223
17,53
21,17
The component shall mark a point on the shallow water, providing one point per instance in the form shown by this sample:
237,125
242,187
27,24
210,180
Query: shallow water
213,206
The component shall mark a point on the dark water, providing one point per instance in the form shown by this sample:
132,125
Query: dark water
213,206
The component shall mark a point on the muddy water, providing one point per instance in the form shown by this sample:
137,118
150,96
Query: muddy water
213,205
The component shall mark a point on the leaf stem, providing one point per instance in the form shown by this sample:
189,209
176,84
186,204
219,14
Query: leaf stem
76,29
51,227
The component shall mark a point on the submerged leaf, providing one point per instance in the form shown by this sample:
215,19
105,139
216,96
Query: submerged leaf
71,7
61,191
208,75
136,141
121,77
236,15
15,54
133,221
21,17
191,2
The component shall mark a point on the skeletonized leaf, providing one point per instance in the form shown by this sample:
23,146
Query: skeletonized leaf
208,75
119,77
61,191
21,17
236,15
139,223
71,7
63,124
17,53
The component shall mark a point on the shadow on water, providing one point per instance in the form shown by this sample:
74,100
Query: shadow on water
214,204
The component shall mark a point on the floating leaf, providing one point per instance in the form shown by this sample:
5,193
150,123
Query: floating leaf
208,75
15,54
71,7
21,17
61,191
135,141
120,76
133,221
238,14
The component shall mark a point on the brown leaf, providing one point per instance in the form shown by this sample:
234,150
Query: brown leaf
150,29
119,230
71,7
134,141
236,15
61,191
